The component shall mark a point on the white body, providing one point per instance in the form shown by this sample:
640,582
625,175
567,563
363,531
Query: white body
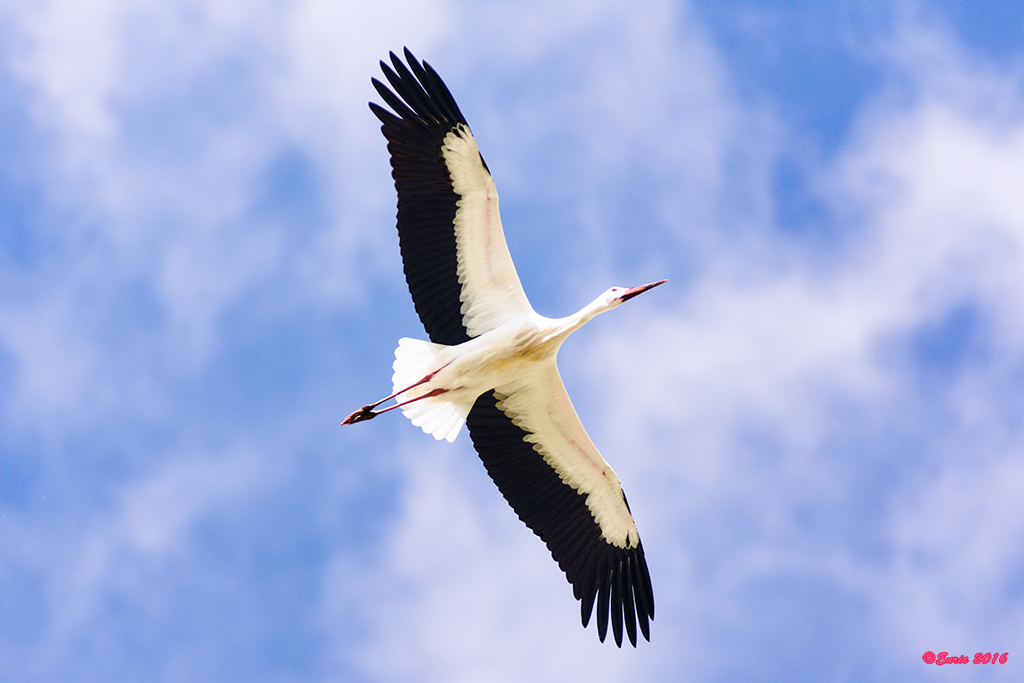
517,360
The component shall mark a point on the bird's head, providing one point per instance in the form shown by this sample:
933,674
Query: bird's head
610,299
616,295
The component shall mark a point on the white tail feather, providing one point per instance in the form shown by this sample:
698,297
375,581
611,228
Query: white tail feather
440,416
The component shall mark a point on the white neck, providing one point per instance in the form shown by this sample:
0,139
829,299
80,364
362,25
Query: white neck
563,327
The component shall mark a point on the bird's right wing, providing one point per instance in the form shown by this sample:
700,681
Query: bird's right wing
538,453
457,264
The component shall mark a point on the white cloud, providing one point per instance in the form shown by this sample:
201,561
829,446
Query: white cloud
958,557
73,61
123,553
49,375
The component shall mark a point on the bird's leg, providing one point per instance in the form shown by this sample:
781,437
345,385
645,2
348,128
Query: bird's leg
429,394
367,412
371,406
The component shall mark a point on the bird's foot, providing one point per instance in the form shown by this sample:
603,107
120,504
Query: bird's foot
365,413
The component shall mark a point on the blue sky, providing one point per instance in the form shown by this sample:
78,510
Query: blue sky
819,421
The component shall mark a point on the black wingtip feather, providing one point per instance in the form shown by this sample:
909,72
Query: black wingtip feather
587,606
603,596
644,578
615,579
645,626
386,117
412,91
628,605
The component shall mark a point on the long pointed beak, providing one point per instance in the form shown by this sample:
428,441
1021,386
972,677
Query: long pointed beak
633,291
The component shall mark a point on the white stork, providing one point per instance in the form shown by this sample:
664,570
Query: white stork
491,359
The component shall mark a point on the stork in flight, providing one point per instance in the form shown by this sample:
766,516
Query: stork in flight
490,361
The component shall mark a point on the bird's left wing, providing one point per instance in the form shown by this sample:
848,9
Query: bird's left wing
457,264
536,450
